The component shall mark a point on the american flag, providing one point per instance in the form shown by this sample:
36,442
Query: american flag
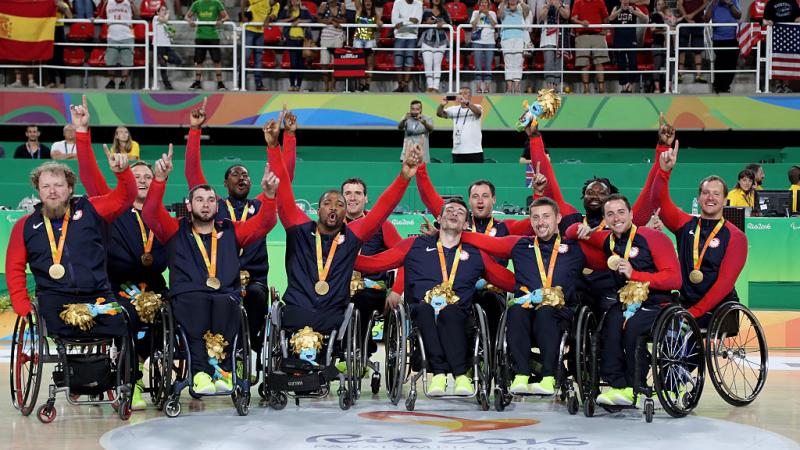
786,52
749,36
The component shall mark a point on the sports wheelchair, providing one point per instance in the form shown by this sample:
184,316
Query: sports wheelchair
405,357
565,370
287,376
91,366
174,364
674,349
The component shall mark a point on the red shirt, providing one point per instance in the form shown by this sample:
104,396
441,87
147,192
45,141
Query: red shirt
592,10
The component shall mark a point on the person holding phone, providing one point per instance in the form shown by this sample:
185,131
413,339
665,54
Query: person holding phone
417,129
467,137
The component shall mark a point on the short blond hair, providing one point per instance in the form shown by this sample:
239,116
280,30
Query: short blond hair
56,169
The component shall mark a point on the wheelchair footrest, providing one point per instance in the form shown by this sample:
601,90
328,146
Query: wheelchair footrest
301,376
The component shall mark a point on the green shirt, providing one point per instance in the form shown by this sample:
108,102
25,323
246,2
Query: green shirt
207,11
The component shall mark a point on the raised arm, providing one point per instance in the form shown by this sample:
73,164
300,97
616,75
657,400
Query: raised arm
113,204
732,264
668,272
595,256
92,179
427,192
255,229
645,205
385,260
16,260
497,274
500,247
538,155
193,169
672,217
290,144
154,214
288,211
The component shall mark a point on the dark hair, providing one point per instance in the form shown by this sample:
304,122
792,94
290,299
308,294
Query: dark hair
794,175
329,191
545,201
32,126
141,163
354,181
617,196
230,169
206,187
754,167
716,178
611,188
415,102
456,200
746,173
481,183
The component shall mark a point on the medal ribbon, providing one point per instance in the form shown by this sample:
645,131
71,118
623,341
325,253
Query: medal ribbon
211,264
627,246
443,264
147,238
57,252
488,227
547,279
323,272
698,260
233,213
599,227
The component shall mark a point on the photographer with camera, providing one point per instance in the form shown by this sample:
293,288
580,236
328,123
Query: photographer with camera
467,138
417,128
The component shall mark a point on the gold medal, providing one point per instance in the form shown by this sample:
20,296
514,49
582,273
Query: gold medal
613,262
321,287
696,276
147,259
244,277
57,271
213,283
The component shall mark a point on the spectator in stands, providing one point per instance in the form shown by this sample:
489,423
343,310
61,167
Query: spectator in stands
405,15
759,171
18,79
164,33
120,39
467,136
332,14
84,9
726,45
744,194
123,143
58,77
512,41
692,12
295,36
261,12
625,38
65,149
590,41
32,148
794,182
662,15
434,42
551,13
207,11
417,128
785,11
365,37
483,21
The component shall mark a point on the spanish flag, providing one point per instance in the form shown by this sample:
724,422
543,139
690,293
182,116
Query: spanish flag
26,30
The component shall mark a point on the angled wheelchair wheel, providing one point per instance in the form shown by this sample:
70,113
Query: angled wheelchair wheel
677,361
585,329
483,359
27,357
736,354
502,367
162,361
395,353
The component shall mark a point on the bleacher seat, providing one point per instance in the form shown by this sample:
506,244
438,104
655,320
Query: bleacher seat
457,11
81,32
139,32
272,35
286,62
74,56
103,33
149,8
644,61
138,56
386,15
386,38
98,57
268,61
384,61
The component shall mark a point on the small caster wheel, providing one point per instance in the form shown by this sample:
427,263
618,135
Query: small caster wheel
263,392
572,404
172,408
410,401
484,400
499,403
588,407
124,410
375,384
649,409
278,400
46,413
242,404
345,401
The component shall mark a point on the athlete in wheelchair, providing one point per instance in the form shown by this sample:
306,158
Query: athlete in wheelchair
438,328
645,327
205,328
76,312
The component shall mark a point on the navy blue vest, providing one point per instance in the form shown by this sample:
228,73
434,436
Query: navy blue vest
569,264
254,257
125,252
84,256
712,260
500,230
641,260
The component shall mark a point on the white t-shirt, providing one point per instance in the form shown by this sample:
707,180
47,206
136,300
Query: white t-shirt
467,137
485,27
63,147
121,12
402,12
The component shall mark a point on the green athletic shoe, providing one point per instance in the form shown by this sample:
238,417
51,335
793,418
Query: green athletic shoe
545,387
464,386
621,397
224,384
138,403
438,385
203,384
519,385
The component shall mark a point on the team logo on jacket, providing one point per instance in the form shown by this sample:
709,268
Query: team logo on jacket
464,255
634,252
341,239
219,234
493,231
252,209
78,214
714,243
563,248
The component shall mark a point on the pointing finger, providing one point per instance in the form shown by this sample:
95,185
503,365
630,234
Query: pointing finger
538,167
169,154
106,150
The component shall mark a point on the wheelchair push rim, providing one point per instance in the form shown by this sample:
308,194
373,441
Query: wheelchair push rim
27,348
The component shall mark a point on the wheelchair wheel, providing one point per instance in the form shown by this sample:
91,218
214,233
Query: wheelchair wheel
162,359
677,361
271,355
483,358
353,357
502,367
242,361
736,354
585,327
395,353
27,357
